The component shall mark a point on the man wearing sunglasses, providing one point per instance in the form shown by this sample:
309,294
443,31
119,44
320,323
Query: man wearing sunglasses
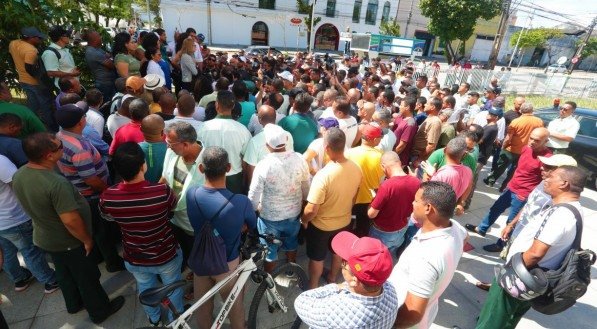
563,129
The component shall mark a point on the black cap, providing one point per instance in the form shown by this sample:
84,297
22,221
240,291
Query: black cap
69,115
295,91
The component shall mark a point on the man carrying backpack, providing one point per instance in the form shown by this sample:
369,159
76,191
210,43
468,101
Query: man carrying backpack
543,243
27,63
58,61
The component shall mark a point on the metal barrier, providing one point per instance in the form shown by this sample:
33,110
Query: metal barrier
517,82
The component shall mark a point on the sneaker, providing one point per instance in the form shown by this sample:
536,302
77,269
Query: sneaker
158,323
22,285
488,182
51,287
493,248
474,229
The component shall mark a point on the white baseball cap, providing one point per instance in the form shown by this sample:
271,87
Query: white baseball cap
275,136
286,76
558,160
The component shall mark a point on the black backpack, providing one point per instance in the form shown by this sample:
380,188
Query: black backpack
208,255
569,282
42,73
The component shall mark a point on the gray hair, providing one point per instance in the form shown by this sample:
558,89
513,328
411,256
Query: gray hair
456,147
214,161
183,130
499,101
526,107
384,115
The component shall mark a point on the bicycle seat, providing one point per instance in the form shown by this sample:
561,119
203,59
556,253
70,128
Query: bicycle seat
154,296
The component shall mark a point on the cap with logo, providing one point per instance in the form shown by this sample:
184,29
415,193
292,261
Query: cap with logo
275,136
368,258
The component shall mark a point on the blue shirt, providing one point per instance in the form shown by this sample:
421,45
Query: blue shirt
229,223
166,68
96,140
12,148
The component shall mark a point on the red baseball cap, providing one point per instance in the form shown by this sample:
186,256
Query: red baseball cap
371,132
369,259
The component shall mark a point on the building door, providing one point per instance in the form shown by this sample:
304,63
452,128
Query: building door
327,37
260,34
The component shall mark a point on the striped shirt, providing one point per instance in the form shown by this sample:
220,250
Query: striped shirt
142,210
81,161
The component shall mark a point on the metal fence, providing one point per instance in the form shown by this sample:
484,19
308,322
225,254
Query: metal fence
518,82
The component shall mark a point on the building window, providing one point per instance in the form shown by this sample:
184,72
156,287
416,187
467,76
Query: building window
371,15
385,14
330,9
356,12
267,4
260,34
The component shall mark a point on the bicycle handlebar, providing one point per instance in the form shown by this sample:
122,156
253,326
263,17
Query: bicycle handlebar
269,238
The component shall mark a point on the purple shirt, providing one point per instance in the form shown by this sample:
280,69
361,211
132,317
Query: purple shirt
405,130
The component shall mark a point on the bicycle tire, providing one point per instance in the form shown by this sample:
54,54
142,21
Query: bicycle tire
289,290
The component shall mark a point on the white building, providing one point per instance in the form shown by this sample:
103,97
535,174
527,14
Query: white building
268,22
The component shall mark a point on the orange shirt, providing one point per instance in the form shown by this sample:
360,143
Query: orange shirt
23,53
520,130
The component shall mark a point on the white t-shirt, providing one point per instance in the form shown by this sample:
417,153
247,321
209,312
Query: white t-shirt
198,55
155,68
256,149
427,266
96,121
115,121
229,134
327,113
481,120
280,184
536,204
387,142
559,232
350,127
471,112
317,147
567,126
11,212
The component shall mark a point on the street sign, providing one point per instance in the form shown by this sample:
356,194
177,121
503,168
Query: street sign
562,60
345,36
295,21
574,60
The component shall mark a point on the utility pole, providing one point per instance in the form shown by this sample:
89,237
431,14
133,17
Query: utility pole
149,14
311,38
519,36
497,42
410,15
582,45
210,40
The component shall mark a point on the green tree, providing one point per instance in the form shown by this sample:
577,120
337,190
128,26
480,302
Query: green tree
452,20
389,27
536,38
304,7
589,49
154,8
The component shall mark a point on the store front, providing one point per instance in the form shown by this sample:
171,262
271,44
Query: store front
260,34
327,37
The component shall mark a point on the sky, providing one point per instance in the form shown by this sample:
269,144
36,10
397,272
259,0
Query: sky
579,11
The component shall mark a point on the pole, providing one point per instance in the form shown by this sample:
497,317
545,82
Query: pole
311,39
410,15
210,40
149,14
519,36
499,35
582,45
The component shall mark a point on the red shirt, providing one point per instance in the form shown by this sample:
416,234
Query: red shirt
130,132
394,200
528,172
405,130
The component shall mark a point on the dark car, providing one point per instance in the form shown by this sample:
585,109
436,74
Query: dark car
262,50
584,147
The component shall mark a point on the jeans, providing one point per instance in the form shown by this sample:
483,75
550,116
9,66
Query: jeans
147,277
392,240
20,238
506,200
39,101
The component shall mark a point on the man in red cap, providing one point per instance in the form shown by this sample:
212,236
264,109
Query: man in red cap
364,299
427,265
368,158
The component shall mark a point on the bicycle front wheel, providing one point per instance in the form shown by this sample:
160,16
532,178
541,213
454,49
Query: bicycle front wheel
290,280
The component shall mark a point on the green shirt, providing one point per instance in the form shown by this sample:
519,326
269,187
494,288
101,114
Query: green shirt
134,64
302,128
53,195
439,157
31,123
248,109
154,158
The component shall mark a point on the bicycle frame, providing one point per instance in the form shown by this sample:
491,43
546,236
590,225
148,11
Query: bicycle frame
243,271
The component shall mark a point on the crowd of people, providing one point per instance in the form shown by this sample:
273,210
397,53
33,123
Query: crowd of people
361,160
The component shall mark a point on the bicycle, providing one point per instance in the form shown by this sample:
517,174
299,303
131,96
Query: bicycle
288,279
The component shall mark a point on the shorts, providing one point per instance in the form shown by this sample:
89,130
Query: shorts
319,242
285,230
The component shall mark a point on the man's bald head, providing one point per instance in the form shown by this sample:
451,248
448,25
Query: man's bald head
354,95
369,108
538,139
390,159
152,125
167,103
266,114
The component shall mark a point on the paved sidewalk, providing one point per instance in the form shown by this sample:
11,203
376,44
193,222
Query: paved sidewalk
459,305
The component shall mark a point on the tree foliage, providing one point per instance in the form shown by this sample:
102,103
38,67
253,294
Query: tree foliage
590,48
305,7
456,19
42,14
389,27
534,38
154,8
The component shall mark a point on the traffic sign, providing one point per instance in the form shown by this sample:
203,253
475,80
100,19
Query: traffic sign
295,21
562,60
574,60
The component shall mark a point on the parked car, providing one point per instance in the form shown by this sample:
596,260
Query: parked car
584,147
262,50
555,68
